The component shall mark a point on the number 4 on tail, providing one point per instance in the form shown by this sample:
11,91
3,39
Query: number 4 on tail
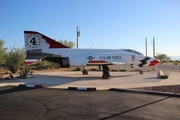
33,41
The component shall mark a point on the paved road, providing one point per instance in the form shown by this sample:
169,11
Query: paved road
57,104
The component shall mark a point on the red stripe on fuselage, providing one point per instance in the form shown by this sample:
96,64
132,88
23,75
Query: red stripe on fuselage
97,61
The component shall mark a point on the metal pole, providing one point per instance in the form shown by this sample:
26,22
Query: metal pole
77,38
153,46
146,45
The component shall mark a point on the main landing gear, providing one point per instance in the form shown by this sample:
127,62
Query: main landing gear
84,71
141,71
106,73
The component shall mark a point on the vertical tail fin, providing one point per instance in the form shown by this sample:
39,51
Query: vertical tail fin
36,40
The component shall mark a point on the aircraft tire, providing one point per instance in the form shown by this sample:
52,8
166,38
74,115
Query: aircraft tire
105,76
141,72
85,72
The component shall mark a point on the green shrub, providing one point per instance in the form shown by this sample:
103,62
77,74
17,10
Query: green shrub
14,58
122,70
94,69
114,70
2,52
24,71
77,69
175,63
46,65
164,76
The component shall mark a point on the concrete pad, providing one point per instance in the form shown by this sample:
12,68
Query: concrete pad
64,79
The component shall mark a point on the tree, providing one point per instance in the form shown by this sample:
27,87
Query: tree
162,57
14,58
70,44
2,52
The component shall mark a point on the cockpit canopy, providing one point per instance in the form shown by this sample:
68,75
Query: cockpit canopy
133,51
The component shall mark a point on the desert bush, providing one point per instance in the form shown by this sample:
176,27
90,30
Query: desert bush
14,58
46,65
175,63
24,71
77,69
94,69
164,76
2,53
122,70
37,65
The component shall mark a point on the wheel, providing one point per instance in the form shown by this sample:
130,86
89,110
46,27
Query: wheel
105,76
141,72
85,72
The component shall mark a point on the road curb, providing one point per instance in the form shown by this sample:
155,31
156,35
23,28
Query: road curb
83,88
31,85
146,92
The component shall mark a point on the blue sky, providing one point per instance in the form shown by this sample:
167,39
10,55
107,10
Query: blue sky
111,24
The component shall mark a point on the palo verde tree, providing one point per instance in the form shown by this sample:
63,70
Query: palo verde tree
70,44
14,58
162,57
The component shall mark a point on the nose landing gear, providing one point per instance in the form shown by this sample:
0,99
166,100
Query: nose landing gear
84,71
141,71
106,73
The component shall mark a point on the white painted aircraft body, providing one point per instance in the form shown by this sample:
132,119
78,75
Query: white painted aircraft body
82,57
39,46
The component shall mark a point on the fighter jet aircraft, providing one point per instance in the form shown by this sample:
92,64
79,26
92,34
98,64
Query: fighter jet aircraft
39,46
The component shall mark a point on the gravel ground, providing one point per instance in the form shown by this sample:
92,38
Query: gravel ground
168,88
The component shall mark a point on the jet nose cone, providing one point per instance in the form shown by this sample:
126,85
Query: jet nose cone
154,62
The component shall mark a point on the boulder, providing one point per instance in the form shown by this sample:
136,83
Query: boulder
160,73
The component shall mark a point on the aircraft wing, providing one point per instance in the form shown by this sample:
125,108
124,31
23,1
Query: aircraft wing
33,56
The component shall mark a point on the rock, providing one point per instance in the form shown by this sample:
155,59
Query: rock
160,73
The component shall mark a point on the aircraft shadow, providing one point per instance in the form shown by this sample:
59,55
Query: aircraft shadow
55,80
135,108
121,76
153,78
12,89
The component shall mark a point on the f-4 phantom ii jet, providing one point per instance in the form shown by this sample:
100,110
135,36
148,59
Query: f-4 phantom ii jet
39,46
